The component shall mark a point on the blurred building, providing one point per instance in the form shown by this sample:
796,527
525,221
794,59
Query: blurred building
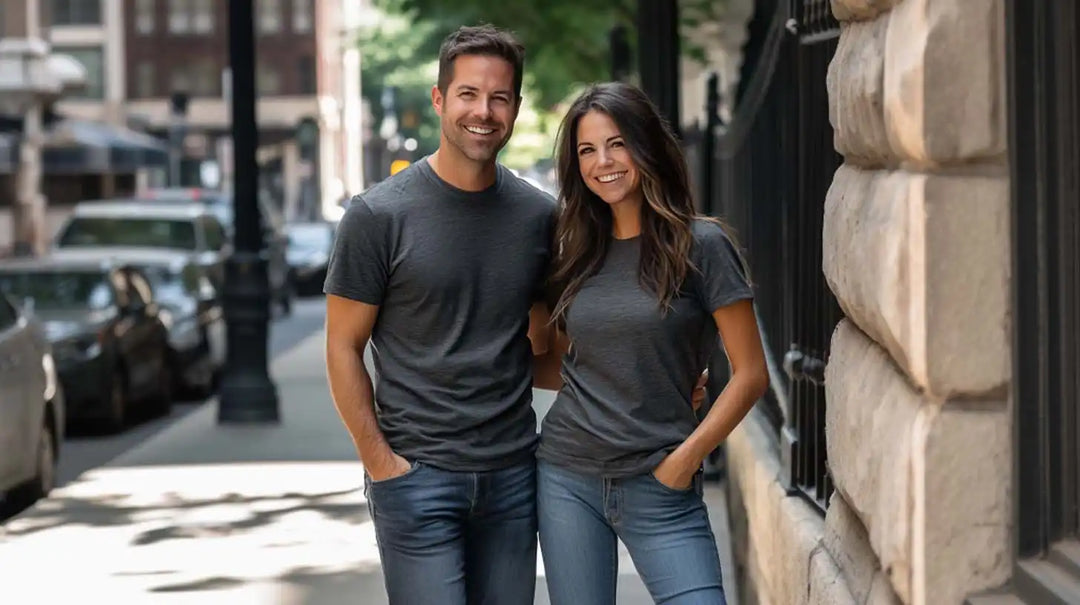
903,177
163,65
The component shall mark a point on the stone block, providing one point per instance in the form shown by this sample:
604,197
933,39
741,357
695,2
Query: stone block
929,482
856,94
944,80
860,10
827,583
848,544
920,262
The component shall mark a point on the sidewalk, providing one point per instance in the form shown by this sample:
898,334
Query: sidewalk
210,514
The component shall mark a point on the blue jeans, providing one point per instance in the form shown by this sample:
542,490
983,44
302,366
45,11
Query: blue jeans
666,531
457,538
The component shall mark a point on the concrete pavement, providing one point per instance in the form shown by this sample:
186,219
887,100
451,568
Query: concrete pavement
202,513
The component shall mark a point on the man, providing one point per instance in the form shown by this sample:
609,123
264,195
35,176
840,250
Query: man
440,266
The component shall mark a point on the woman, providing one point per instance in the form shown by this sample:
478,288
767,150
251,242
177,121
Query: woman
640,289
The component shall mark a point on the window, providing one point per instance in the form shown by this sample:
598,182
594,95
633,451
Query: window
302,16
180,80
269,16
145,84
144,16
93,60
204,79
305,69
214,234
134,232
8,316
179,16
76,12
268,80
1044,146
203,19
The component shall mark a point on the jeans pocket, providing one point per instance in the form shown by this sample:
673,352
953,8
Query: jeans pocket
373,484
668,488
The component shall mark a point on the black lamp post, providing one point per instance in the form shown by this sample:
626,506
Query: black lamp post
247,393
658,55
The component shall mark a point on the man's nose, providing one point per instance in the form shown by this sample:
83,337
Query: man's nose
483,109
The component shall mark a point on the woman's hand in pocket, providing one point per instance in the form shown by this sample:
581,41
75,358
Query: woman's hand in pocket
676,471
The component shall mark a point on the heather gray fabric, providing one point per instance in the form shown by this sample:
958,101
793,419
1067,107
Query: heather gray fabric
454,274
630,372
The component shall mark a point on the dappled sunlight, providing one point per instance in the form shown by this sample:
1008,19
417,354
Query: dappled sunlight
266,531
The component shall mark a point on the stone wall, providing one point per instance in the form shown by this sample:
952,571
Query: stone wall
916,250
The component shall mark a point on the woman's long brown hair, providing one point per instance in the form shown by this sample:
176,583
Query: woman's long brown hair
584,227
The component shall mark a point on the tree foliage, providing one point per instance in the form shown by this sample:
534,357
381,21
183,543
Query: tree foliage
566,41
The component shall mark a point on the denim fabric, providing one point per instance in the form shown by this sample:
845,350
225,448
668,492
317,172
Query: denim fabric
666,531
451,538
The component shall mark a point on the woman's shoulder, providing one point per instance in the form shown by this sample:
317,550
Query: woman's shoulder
708,232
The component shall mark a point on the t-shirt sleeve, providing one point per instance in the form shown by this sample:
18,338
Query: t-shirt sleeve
359,266
723,277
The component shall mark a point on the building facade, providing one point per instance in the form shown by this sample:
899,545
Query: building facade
149,58
903,176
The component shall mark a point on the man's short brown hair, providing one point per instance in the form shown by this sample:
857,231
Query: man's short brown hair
484,40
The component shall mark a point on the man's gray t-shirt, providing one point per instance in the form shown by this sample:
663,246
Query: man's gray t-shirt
454,274
630,372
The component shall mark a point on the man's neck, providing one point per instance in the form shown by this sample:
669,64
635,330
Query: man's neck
462,172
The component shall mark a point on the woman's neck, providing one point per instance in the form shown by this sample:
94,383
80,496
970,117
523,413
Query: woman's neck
626,219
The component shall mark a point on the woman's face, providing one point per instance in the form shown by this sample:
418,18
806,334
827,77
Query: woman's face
604,160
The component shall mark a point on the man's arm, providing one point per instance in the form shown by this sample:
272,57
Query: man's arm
348,328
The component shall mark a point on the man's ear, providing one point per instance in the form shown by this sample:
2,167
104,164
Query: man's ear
437,100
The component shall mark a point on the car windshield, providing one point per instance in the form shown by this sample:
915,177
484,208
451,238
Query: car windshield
119,231
310,237
171,286
59,289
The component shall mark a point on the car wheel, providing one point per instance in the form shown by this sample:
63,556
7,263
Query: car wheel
117,403
45,480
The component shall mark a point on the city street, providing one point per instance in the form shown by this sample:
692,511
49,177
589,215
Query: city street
199,512
85,449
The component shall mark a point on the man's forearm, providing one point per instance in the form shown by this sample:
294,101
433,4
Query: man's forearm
354,398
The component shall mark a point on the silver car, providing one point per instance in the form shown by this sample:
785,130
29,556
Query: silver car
31,407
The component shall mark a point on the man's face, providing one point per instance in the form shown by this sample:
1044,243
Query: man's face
479,107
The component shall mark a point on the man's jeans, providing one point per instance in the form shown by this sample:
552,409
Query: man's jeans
666,531
457,538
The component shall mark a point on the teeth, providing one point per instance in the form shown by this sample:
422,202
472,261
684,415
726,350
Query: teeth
607,178
476,130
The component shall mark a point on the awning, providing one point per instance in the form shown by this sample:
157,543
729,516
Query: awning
85,147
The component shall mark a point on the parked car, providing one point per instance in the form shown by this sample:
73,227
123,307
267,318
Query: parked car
188,305
188,228
275,239
31,406
309,253
109,344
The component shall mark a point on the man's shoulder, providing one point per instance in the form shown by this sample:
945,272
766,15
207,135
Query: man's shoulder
526,194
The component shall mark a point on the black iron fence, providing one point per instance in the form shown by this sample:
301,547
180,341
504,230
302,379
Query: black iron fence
767,173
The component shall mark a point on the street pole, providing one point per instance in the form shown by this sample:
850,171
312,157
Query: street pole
658,56
247,394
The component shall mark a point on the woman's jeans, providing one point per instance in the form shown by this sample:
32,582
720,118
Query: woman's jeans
666,531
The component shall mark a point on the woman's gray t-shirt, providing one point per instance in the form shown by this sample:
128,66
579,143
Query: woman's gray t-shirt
630,372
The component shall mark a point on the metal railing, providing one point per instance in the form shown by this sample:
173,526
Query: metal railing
767,173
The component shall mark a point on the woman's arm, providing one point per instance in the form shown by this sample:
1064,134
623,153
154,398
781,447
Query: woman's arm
749,379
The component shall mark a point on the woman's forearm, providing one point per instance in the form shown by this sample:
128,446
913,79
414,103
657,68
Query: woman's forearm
730,407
